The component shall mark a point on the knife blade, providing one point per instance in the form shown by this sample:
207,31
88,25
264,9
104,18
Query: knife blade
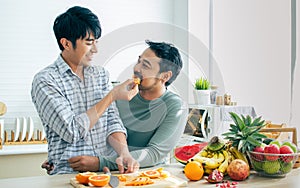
114,180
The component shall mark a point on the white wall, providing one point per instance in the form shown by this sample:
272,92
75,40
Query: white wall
251,44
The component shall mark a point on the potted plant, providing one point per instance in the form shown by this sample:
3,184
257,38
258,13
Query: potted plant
202,91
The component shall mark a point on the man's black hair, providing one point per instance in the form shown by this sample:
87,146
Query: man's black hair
171,59
75,23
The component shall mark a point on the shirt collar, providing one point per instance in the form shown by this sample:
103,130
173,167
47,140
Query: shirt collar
61,65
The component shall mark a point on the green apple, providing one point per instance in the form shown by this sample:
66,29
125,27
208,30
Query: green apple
286,167
271,167
291,145
277,142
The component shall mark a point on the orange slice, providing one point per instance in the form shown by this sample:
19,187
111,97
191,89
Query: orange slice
139,181
83,178
99,180
137,80
122,178
152,173
165,174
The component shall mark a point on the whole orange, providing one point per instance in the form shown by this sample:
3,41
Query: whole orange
193,171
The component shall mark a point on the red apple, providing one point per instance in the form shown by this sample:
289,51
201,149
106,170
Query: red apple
271,149
258,157
286,150
291,145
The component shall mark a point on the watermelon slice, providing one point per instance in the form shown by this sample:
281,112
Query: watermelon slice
183,153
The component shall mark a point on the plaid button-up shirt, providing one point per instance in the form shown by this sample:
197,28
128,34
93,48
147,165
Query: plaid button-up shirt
62,99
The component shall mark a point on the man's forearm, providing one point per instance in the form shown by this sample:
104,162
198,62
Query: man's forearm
97,110
118,142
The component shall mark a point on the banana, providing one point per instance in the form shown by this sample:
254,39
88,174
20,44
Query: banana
203,152
211,163
199,159
208,171
237,154
219,157
223,167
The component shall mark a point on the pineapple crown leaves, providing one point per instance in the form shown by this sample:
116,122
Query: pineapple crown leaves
244,133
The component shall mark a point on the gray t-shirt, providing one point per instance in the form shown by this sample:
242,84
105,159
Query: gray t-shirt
153,128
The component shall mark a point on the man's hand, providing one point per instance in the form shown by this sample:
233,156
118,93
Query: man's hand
84,163
125,91
127,164
46,165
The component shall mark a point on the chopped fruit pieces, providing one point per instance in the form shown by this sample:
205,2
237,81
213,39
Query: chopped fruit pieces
140,181
122,178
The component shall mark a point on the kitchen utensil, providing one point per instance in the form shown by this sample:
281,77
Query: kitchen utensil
114,180
17,129
31,128
24,129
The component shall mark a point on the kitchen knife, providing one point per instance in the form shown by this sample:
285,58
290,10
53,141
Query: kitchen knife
114,180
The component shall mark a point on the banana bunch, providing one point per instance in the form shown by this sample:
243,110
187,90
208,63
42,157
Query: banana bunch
217,155
211,159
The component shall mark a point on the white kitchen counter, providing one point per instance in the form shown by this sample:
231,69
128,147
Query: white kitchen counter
23,149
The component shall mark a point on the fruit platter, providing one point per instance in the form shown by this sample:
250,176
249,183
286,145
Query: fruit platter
241,150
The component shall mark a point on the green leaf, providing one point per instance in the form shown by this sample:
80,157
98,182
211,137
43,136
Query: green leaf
255,130
249,120
253,141
238,121
244,119
257,122
241,144
234,127
258,135
228,133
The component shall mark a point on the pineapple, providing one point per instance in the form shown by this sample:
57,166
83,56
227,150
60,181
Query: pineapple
244,133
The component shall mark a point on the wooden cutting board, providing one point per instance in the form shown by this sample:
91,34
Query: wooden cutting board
171,181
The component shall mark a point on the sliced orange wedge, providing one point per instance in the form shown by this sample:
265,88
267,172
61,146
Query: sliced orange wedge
152,173
83,178
99,180
137,80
